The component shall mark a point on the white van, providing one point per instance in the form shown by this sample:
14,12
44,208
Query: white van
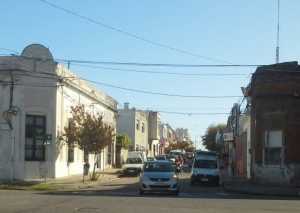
134,163
205,168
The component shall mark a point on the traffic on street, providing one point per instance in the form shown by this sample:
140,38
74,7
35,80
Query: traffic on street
163,106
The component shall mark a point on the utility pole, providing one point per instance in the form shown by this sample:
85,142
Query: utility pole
278,31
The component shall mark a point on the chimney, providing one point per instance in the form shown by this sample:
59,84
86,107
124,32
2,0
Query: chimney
126,105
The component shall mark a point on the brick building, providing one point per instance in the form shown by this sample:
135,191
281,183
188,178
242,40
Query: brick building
275,123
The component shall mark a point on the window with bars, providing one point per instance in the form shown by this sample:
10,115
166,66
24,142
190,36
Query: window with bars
273,147
35,133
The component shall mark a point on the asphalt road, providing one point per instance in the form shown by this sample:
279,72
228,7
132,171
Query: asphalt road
122,196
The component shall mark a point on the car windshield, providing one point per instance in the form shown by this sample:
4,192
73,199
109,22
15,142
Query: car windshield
158,167
205,164
134,161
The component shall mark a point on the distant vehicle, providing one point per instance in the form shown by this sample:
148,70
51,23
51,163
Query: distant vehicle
189,155
134,163
174,154
159,176
205,168
161,157
177,152
150,159
201,152
188,159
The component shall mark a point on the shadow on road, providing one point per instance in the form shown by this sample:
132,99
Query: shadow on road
128,187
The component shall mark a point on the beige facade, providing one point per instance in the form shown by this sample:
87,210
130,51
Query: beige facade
37,93
134,123
154,134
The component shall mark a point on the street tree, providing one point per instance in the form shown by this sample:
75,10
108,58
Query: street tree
182,145
89,132
209,139
123,141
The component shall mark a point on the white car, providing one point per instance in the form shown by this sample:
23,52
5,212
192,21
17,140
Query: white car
205,170
133,166
159,176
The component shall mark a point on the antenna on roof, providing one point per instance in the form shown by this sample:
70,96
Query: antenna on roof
278,31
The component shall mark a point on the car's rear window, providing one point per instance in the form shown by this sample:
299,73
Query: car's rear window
206,164
134,161
158,167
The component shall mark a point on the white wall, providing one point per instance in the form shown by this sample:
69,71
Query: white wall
40,96
245,126
30,96
68,96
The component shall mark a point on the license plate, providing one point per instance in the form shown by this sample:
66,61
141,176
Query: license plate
131,170
159,184
204,179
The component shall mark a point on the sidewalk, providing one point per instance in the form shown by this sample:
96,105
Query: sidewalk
239,185
74,182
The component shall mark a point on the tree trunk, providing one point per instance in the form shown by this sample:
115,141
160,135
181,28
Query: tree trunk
94,169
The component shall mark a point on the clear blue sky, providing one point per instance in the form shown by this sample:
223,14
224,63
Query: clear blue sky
242,32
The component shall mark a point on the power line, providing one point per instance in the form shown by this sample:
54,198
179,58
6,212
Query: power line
8,83
129,34
192,113
156,64
137,90
118,63
10,50
157,93
101,68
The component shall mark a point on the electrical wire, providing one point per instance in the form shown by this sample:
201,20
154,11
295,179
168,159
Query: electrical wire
118,63
129,34
101,68
156,64
8,83
157,93
191,113
142,91
10,50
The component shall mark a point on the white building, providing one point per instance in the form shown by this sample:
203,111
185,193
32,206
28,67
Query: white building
183,134
36,94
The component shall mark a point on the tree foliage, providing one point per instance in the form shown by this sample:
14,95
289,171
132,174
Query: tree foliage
123,140
209,139
89,132
182,145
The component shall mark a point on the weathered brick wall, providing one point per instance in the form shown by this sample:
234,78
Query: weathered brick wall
277,94
275,99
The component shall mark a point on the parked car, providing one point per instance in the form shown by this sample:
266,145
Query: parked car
205,169
133,165
159,176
